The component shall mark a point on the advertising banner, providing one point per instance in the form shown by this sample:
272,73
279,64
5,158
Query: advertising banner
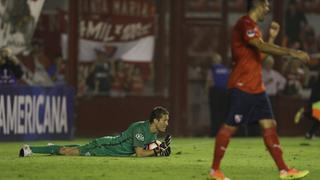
34,113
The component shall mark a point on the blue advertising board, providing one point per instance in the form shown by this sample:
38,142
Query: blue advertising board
33,113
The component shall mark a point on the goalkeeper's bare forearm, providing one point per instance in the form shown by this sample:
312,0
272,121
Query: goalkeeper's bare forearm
140,152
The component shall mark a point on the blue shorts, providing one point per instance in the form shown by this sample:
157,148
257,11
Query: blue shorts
246,108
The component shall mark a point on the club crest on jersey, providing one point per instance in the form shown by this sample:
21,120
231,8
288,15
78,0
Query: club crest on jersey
140,137
238,118
251,33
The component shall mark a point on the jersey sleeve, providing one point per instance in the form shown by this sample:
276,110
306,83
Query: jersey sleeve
138,137
248,31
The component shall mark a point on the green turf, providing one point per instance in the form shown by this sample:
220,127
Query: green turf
246,159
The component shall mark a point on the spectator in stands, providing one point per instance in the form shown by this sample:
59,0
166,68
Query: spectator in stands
57,71
295,20
10,70
99,78
309,40
273,80
216,85
34,65
136,83
295,76
119,79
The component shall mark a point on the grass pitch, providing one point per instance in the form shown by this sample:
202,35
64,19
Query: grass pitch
246,159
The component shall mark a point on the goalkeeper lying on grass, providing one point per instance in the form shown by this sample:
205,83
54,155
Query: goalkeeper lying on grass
131,142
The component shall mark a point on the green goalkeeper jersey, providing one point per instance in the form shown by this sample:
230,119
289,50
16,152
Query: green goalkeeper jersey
137,135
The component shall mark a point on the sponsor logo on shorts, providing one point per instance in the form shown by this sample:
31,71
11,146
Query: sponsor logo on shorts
238,118
140,137
240,84
251,33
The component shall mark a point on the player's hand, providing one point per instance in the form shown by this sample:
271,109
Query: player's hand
274,29
165,152
164,149
166,142
303,56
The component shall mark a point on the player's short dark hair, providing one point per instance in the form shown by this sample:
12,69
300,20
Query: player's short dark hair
157,113
250,4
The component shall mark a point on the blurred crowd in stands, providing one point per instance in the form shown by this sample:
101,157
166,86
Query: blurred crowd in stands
120,78
34,67
114,78
299,34
117,78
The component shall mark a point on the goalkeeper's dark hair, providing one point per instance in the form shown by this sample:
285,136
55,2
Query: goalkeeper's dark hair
157,113
251,4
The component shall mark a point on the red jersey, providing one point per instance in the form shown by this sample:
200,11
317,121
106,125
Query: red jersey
246,74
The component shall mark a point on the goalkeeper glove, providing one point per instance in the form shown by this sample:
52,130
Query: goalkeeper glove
167,139
166,142
165,152
162,151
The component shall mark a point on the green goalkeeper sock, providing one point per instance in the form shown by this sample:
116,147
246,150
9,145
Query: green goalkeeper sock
50,149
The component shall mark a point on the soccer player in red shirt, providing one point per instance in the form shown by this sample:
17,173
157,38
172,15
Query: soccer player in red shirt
248,101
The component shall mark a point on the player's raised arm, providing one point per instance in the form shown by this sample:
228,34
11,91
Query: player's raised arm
273,49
